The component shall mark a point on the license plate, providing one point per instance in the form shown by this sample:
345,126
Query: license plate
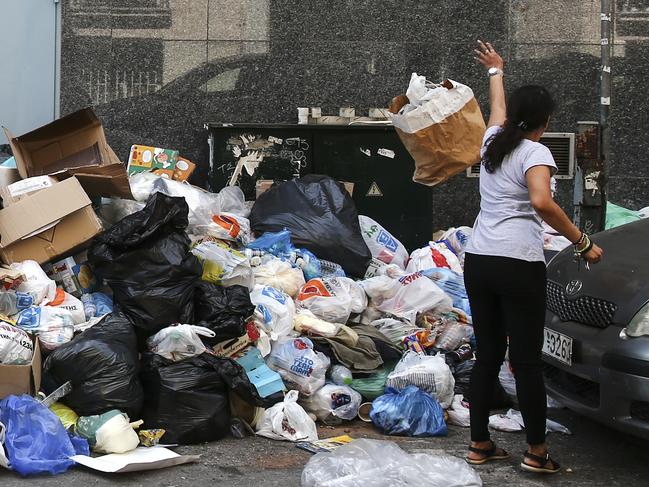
558,346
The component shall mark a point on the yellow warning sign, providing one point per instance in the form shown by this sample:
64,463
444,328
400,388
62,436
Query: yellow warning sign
374,190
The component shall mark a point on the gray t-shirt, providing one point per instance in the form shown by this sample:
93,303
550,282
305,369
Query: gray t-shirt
508,225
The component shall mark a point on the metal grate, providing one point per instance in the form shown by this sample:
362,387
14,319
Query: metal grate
582,390
640,410
584,309
562,147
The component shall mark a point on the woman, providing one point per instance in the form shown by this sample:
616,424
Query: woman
505,266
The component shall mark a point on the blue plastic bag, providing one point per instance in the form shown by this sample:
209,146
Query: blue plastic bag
452,284
279,244
410,412
103,303
36,441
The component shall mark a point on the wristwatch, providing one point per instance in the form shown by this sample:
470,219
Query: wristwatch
495,71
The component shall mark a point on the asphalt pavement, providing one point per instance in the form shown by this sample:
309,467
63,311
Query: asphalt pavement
594,455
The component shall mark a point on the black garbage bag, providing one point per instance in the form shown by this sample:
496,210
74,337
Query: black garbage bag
146,261
462,370
102,363
224,310
321,216
190,398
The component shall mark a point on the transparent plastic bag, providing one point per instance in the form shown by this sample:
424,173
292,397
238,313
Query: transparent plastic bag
332,402
287,420
300,366
179,342
223,265
227,226
429,373
379,463
280,275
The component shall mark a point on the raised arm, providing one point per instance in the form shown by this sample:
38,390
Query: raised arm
490,59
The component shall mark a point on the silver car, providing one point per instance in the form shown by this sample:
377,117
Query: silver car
596,343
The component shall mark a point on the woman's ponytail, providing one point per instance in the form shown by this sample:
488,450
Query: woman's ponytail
528,109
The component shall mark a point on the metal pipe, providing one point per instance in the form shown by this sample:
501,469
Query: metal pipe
606,18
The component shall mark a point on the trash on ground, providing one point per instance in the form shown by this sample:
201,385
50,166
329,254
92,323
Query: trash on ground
383,464
325,445
512,421
287,420
137,460
410,412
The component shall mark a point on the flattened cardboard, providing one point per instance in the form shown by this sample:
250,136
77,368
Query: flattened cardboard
142,458
72,144
22,379
48,224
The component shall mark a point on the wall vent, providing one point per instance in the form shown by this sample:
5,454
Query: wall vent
562,146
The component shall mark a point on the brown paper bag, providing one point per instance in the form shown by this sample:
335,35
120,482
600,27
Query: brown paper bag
443,135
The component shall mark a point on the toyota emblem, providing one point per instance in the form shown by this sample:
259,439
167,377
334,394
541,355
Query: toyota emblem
574,287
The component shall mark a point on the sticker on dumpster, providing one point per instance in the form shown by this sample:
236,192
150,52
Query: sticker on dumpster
374,190
274,294
367,152
386,153
386,240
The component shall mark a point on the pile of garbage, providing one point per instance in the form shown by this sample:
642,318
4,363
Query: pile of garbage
182,316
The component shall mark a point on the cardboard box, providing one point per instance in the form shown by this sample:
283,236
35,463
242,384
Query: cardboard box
143,158
74,145
184,169
21,189
22,379
264,185
49,224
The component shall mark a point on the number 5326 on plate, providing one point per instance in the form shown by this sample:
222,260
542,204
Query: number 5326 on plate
557,346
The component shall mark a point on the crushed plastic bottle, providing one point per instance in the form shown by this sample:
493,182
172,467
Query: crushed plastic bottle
89,306
331,269
453,335
341,375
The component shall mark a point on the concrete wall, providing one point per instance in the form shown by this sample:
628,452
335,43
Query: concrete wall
157,69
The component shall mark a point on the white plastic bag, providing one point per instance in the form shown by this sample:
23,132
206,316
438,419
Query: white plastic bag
274,310
308,324
414,294
224,265
329,299
301,367
459,414
280,275
383,246
65,300
36,283
232,200
359,298
228,226
287,420
512,421
116,436
333,401
435,255
430,373
458,239
179,342
379,463
16,348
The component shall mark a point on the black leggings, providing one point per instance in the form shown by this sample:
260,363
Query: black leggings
507,298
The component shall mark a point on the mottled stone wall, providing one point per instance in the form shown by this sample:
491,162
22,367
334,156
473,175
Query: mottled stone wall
157,69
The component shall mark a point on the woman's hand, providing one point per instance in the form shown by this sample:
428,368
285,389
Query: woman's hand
488,57
594,255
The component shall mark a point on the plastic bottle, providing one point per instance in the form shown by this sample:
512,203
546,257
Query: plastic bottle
331,269
341,375
453,335
89,307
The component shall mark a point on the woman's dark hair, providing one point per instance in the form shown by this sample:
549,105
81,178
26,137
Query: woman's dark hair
528,109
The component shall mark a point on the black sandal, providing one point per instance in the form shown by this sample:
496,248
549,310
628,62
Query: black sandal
489,454
544,460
